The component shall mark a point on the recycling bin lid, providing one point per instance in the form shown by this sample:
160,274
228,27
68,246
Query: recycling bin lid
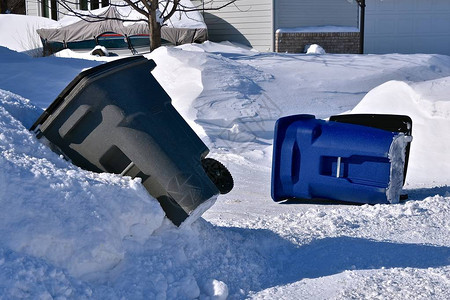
389,122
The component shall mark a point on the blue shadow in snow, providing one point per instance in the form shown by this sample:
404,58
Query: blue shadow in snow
412,195
419,194
333,255
281,262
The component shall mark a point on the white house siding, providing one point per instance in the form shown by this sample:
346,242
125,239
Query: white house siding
310,13
248,22
407,26
32,7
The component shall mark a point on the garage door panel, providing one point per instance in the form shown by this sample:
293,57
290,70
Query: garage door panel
403,44
441,23
428,45
405,23
423,25
383,25
407,26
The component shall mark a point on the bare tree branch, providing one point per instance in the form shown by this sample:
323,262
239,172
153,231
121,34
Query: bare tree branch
173,10
137,8
187,9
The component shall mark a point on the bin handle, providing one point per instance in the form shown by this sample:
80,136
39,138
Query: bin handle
290,157
74,120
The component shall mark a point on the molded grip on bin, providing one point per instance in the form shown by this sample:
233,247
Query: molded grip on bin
286,156
75,119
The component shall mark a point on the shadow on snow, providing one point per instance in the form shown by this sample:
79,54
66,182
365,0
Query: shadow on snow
257,259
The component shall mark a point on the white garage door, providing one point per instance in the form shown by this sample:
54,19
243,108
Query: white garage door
407,26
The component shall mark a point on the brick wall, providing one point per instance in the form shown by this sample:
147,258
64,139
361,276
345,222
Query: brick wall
331,42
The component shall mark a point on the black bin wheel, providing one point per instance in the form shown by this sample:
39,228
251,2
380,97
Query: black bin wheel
218,174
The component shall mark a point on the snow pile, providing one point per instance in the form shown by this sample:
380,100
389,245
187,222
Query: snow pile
68,53
99,51
386,283
39,79
23,276
225,48
181,75
20,34
74,219
314,49
429,109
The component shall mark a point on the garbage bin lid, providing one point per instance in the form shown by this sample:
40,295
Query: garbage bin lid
86,73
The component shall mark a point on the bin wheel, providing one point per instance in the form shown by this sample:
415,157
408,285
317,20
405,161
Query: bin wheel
218,174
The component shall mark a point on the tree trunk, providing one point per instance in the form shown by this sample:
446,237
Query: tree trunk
155,31
3,6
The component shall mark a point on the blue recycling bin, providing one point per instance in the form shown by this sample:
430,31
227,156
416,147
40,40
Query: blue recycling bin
315,158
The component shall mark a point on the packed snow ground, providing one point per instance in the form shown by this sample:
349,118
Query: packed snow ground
69,233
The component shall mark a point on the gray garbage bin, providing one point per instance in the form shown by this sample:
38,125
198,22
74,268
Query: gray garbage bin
117,118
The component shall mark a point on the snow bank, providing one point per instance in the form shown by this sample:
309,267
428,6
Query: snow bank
177,74
225,48
429,110
314,49
68,53
27,277
99,51
74,219
40,79
21,32
239,112
387,283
